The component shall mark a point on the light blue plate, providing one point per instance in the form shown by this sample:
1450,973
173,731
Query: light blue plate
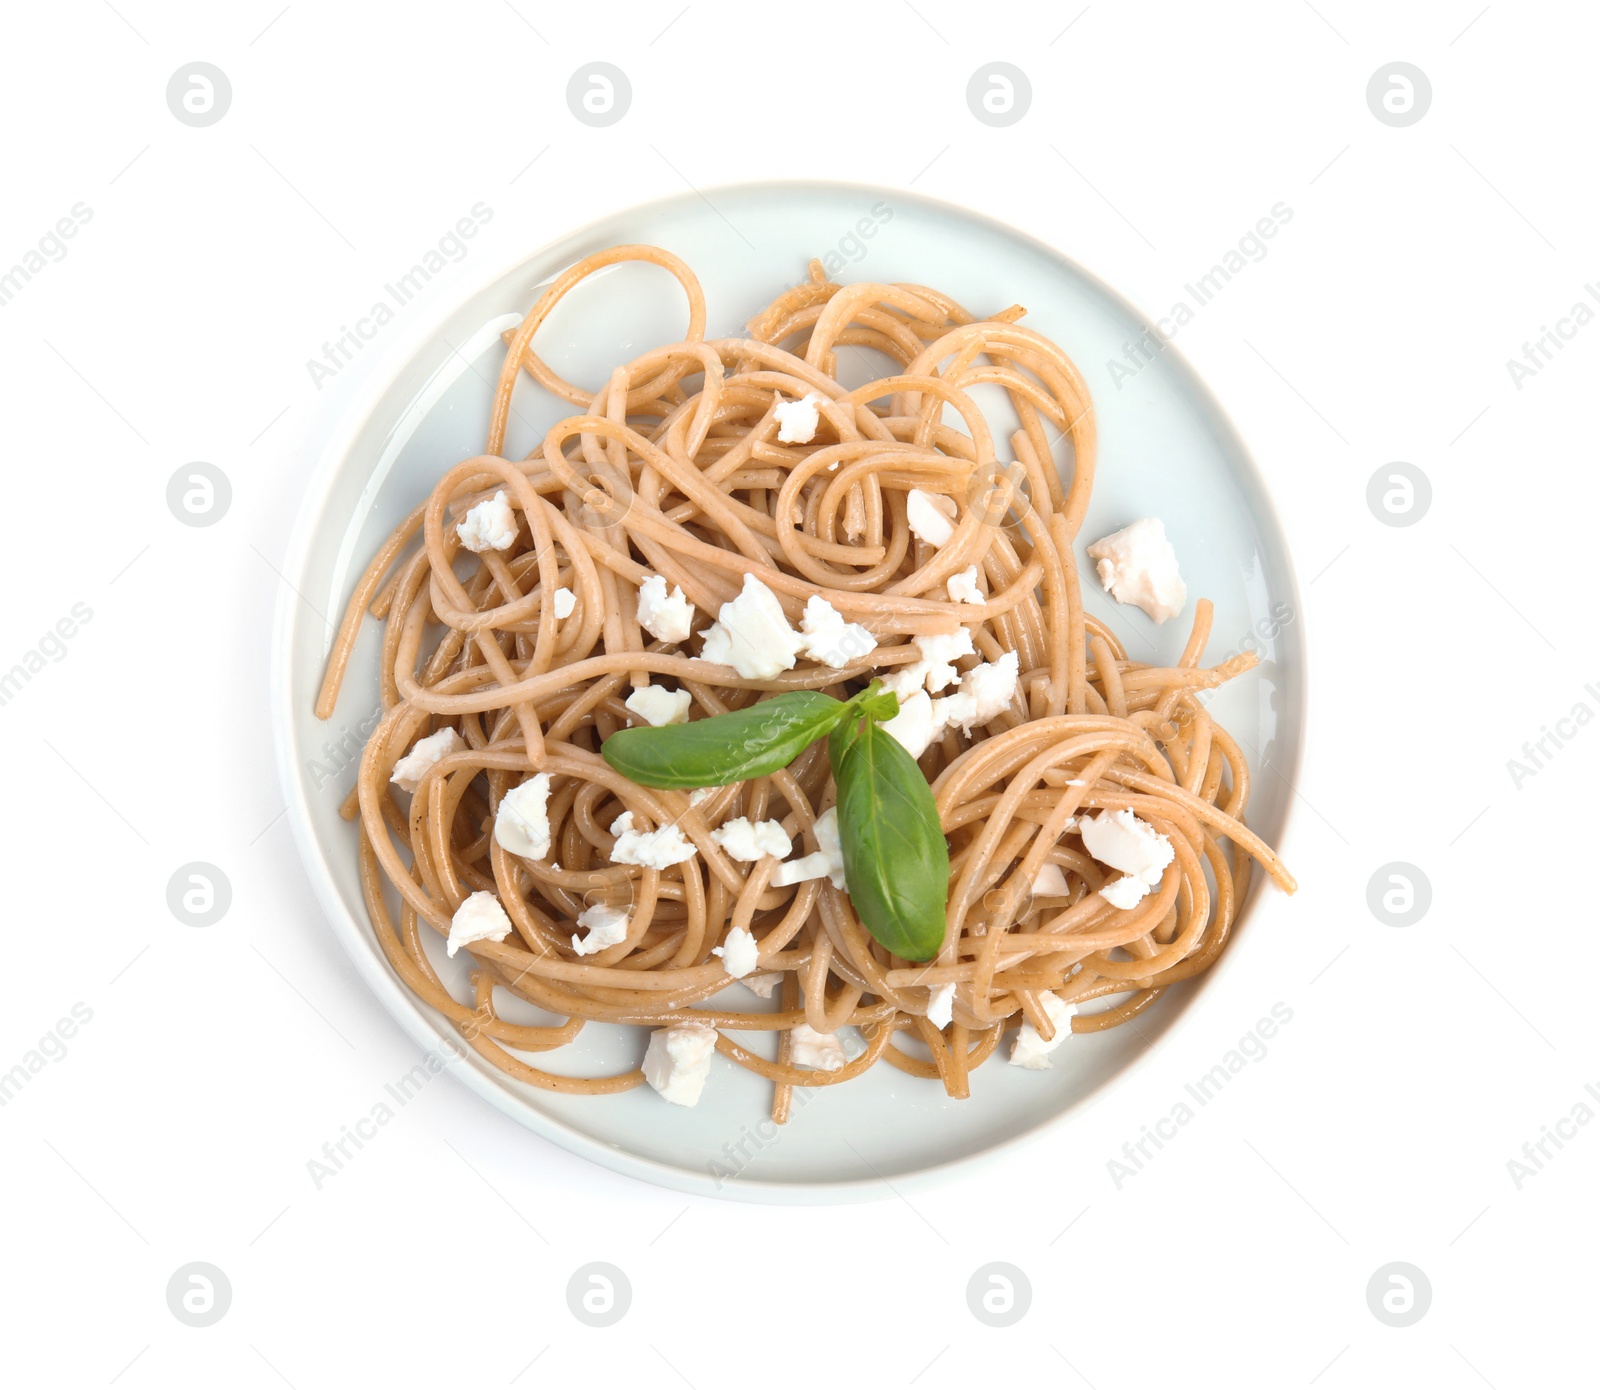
1166,449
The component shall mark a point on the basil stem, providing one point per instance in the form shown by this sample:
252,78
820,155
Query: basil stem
896,859
731,747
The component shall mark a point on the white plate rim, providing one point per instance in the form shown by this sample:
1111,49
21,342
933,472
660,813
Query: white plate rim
419,1022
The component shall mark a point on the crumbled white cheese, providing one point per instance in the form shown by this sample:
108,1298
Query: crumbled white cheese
657,705
607,926
522,822
752,634
479,918
491,525
930,516
666,619
963,587
1122,840
827,862
652,849
797,420
1125,892
425,752
935,667
941,1005
700,794
564,602
828,638
1030,1050
747,843
1138,565
1050,882
677,1060
992,685
953,709
819,1051
740,954
763,982
914,727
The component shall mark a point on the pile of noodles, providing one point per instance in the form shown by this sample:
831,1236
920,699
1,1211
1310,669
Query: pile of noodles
674,468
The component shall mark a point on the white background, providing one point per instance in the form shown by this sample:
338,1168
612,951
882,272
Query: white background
1378,1127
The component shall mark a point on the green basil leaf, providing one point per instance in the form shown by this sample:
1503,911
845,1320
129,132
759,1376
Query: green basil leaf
896,859
726,748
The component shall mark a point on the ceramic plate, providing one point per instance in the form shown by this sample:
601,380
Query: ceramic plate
1166,450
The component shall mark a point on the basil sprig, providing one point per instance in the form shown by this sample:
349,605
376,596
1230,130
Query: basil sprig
896,861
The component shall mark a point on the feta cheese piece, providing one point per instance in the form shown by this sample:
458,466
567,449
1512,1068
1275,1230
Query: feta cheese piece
1125,892
957,708
963,587
801,870
763,982
931,516
797,420
992,686
941,1005
564,602
747,843
828,638
479,918
521,821
607,926
491,525
1138,565
1030,1050
666,619
752,634
700,794
677,1061
657,705
935,667
425,752
819,1051
1050,882
914,727
827,862
740,954
651,849
1122,840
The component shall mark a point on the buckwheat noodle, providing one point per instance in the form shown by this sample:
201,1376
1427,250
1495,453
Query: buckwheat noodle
673,467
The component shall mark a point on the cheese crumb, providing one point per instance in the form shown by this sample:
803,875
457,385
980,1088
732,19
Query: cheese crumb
831,640
963,587
930,516
1122,840
1050,882
752,634
819,1051
941,1005
479,918
491,525
521,821
1031,1050
740,953
992,686
935,667
1125,892
607,926
762,983
425,752
828,861
677,1061
747,843
1138,565
658,706
797,420
564,602
651,849
665,619
913,728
